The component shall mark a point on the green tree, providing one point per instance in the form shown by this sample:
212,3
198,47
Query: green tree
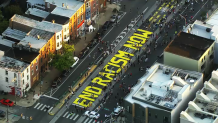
3,25
11,10
65,60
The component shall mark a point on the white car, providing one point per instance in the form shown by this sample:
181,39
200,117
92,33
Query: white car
92,114
118,110
76,61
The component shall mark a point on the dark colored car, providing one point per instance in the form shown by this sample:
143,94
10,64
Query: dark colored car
2,114
106,25
7,102
92,43
65,72
83,53
100,33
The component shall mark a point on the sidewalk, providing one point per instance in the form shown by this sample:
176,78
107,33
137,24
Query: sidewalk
50,75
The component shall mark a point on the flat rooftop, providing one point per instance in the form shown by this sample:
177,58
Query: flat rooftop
11,64
11,34
37,12
6,42
188,45
58,19
162,87
63,12
199,28
71,4
33,42
44,25
17,54
41,34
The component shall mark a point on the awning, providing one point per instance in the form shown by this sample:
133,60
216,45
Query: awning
80,24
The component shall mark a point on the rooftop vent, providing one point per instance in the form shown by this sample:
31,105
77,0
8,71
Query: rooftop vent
208,30
62,4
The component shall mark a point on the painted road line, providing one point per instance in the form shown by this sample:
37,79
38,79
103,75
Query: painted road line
65,114
46,109
68,115
43,107
163,4
160,8
150,19
155,14
75,117
167,5
199,10
50,109
40,106
90,121
171,6
86,120
72,116
36,105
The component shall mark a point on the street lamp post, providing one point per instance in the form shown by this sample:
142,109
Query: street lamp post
184,18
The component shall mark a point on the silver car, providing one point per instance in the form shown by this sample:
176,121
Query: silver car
113,18
118,110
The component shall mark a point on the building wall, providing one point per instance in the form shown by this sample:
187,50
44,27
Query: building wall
80,14
66,32
35,70
102,5
25,79
49,7
180,62
88,9
94,9
185,121
18,26
58,39
129,111
158,116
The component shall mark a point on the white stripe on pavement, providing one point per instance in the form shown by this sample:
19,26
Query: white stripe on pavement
43,107
68,115
40,106
75,117
86,120
72,116
50,109
90,121
36,105
65,114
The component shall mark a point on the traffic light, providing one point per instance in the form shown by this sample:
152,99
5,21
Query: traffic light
31,118
21,114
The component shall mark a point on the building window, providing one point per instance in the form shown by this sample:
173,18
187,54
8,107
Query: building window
27,70
32,72
23,81
27,77
155,115
41,59
58,37
32,65
149,113
15,75
58,44
143,113
87,5
78,20
81,17
74,24
65,37
36,60
23,74
48,5
36,67
6,79
6,72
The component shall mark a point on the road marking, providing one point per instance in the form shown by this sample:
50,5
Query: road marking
75,117
155,14
150,19
50,109
171,6
43,107
163,4
160,8
36,105
68,115
39,106
72,116
90,121
86,120
65,114
83,60
47,107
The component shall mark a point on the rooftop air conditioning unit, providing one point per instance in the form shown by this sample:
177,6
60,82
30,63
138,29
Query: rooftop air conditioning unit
208,30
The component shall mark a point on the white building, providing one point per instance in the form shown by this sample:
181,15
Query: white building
161,94
204,108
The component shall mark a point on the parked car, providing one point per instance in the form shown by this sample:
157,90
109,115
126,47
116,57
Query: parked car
100,33
106,25
92,43
2,114
115,17
118,110
7,102
65,72
83,53
92,114
76,61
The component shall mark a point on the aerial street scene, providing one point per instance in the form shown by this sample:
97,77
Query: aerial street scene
108,61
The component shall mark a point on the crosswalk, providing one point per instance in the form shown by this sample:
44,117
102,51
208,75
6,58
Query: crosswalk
42,107
70,116
90,120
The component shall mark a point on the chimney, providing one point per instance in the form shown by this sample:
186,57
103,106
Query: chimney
53,21
62,4
38,37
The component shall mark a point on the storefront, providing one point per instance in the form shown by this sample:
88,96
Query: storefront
81,28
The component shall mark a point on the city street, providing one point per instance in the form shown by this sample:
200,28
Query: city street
154,15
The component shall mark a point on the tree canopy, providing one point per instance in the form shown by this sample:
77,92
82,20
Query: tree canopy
10,10
65,60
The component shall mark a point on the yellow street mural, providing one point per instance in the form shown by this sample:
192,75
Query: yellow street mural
120,60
